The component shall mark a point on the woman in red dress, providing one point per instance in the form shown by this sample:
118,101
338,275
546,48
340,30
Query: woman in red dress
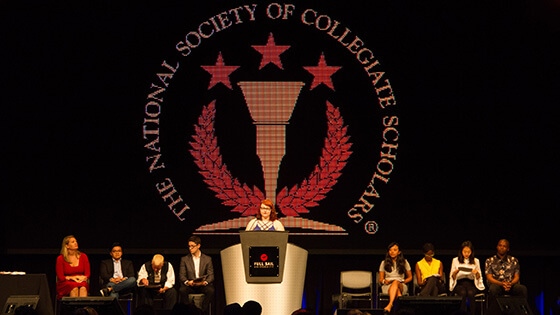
72,270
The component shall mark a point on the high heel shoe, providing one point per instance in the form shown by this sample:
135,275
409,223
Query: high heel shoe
387,311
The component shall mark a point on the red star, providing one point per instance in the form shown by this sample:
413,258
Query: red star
271,52
220,72
322,73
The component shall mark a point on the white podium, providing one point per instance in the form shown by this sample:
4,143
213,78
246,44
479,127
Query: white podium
265,268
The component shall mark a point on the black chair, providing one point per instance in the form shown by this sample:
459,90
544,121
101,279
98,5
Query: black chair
416,287
126,300
58,301
481,300
197,298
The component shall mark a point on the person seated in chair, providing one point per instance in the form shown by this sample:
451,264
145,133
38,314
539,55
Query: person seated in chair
116,274
465,278
502,274
72,270
429,273
157,278
394,274
196,273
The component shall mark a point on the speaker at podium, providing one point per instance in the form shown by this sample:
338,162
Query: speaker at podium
265,268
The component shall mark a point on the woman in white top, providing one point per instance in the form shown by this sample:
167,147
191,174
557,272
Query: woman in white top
266,220
465,277
394,274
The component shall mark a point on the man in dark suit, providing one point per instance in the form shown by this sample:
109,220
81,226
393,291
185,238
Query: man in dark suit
117,274
196,274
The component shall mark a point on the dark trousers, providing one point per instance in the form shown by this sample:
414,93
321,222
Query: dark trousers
147,296
208,291
433,287
495,290
466,289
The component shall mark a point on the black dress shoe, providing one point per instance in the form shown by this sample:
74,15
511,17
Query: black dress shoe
104,292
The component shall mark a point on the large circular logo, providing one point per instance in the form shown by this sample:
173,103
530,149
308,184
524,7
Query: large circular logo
271,101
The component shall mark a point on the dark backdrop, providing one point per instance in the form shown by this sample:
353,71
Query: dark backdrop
476,86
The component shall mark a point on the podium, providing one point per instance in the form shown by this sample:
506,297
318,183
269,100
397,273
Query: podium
265,268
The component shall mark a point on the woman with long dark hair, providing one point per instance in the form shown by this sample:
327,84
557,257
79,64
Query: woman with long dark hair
394,274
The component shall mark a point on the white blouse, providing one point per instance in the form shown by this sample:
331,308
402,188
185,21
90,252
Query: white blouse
255,224
465,274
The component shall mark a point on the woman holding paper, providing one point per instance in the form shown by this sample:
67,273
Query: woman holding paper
465,278
429,273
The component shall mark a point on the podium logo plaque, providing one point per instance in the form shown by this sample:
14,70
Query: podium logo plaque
264,261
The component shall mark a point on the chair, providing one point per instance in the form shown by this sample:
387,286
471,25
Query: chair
416,287
197,298
126,300
356,285
480,299
58,301
381,297
384,297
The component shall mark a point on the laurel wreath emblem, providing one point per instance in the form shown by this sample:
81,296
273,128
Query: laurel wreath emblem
290,202
335,154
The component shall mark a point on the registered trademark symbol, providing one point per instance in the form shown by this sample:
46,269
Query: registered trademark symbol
371,227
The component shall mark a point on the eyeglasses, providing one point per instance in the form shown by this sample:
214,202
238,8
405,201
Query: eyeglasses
192,246
266,208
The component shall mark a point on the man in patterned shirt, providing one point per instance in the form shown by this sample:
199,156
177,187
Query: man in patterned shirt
502,274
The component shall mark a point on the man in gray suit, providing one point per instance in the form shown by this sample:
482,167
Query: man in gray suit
196,274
